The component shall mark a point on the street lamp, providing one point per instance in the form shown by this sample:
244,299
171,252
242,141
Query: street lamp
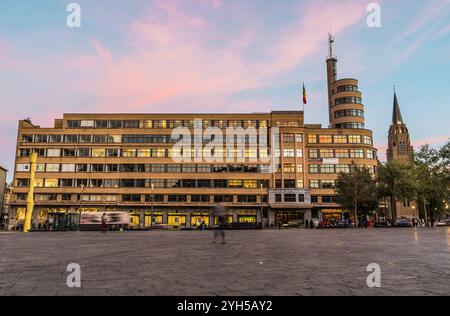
261,202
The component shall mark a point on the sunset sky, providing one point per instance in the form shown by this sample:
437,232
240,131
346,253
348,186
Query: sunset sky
222,56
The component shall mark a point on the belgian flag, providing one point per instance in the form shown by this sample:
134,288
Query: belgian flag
305,96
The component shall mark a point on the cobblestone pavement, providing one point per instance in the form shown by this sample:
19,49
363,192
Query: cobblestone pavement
268,262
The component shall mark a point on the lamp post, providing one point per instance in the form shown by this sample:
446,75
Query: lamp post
151,201
261,202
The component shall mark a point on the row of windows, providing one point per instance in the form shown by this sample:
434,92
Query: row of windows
289,153
349,113
341,153
161,124
145,153
153,168
145,183
325,199
340,139
136,198
331,169
348,100
140,139
289,198
347,88
292,138
350,125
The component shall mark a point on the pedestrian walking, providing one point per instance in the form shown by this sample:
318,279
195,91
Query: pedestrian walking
104,223
219,212
50,223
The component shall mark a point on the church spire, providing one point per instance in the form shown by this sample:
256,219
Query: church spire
396,115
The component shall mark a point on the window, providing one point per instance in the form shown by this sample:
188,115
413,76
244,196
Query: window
246,198
100,139
96,183
289,198
341,153
288,138
340,139
158,168
98,152
189,183
40,138
112,168
346,88
38,183
299,153
342,168
235,183
313,168
86,124
97,168
53,152
68,152
325,139
101,124
84,152
220,183
158,183
27,138
203,168
348,100
55,138
327,184
301,198
312,139
85,139
289,168
328,199
250,184
23,167
356,153
40,167
327,169
299,138
113,152
367,140
288,153
189,169
111,183
128,153
115,124
51,183
73,124
327,153
300,184
131,198
52,168
371,154
223,199
177,198
313,153
200,198
144,153
203,183
289,184
70,138
314,184
131,124
114,139
66,197
111,198
82,168
354,139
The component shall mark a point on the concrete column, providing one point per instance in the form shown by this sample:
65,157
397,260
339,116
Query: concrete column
35,218
188,218
258,217
165,217
271,215
235,216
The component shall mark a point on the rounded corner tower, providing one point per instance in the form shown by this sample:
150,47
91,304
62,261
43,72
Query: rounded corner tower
346,110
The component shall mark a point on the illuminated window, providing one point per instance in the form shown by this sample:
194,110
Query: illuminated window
262,124
299,138
98,152
313,153
53,152
52,167
313,168
300,168
144,153
299,153
354,139
288,153
51,183
340,139
289,168
235,183
342,168
312,139
367,140
250,184
327,169
327,153
40,167
356,153
314,184
129,152
300,184
38,183
341,153
325,139
371,154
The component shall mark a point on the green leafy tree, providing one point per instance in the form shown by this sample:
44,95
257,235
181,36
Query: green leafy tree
357,192
396,181
433,177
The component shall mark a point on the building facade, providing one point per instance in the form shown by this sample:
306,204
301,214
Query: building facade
131,163
400,149
3,189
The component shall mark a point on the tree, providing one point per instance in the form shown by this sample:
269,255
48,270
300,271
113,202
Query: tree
357,192
433,177
396,180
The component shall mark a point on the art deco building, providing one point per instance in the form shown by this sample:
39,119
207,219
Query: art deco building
400,149
126,162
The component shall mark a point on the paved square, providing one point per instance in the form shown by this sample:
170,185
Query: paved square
268,262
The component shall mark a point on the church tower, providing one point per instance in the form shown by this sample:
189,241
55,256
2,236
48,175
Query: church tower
399,143
400,149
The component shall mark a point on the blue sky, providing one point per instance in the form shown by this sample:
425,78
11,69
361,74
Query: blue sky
222,56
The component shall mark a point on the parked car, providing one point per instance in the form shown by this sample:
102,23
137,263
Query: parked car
441,223
403,223
447,222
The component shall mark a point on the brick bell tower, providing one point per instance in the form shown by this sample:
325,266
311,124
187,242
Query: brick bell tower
399,142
